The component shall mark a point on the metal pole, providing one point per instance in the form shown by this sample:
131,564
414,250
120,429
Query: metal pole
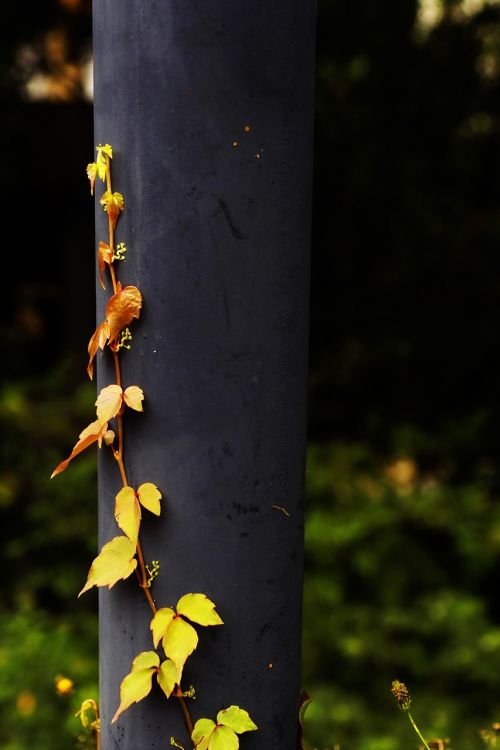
208,106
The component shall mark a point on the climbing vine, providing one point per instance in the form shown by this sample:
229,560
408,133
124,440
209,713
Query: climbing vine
123,555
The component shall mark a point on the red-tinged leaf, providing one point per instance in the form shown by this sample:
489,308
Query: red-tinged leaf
121,309
134,687
202,732
97,341
160,623
109,402
179,642
115,562
149,497
91,174
94,433
104,255
198,608
133,397
167,677
128,513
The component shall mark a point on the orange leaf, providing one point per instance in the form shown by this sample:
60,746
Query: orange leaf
98,340
113,205
121,309
109,402
94,433
104,255
133,397
91,174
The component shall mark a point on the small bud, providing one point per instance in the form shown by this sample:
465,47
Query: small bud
401,694
109,437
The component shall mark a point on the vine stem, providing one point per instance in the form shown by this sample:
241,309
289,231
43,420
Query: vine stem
417,730
118,454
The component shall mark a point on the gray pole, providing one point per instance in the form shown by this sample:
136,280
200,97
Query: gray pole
208,105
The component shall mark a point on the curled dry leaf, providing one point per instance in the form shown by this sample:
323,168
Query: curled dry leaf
121,309
115,562
104,255
92,174
94,433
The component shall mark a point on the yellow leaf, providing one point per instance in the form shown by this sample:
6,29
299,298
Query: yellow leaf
160,623
237,719
198,608
109,402
149,497
133,397
106,149
223,738
202,732
92,434
113,205
128,513
135,686
167,677
116,561
144,660
179,642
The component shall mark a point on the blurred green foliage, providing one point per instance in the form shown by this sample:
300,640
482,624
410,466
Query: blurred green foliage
50,534
402,564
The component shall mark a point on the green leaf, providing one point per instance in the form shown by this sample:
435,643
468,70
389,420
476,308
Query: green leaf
179,642
135,686
198,608
150,496
145,660
128,513
202,732
167,677
115,562
236,719
223,738
160,623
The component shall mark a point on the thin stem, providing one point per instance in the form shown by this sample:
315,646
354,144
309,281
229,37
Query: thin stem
185,711
142,576
417,730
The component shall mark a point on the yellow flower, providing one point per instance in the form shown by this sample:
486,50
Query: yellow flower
64,685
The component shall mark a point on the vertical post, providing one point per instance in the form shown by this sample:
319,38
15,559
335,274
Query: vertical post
208,105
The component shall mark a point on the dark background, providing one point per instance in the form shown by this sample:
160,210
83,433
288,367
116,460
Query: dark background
403,529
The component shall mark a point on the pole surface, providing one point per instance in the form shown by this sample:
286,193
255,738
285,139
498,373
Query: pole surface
217,225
